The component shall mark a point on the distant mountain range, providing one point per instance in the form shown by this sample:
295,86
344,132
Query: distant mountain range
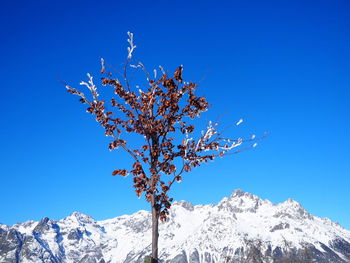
241,228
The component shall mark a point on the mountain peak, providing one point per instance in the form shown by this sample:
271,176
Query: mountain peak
238,192
78,214
240,201
80,218
292,203
292,208
185,204
241,193
43,225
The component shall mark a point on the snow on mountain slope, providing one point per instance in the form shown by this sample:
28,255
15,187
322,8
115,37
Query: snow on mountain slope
226,232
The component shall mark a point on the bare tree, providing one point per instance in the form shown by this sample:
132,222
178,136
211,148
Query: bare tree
160,113
291,254
306,254
253,251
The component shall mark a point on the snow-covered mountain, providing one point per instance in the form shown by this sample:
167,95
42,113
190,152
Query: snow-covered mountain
240,228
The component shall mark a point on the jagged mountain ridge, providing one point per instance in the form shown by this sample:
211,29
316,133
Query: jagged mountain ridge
226,232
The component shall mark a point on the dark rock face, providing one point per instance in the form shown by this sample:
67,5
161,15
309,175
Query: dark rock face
342,246
187,205
208,258
194,257
280,227
181,258
133,257
75,234
42,226
93,257
10,245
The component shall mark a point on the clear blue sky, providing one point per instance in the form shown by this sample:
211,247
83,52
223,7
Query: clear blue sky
283,66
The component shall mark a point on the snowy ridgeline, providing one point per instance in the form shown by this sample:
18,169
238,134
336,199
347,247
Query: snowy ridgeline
240,228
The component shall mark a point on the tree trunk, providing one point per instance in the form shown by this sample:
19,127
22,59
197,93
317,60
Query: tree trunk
155,232
154,206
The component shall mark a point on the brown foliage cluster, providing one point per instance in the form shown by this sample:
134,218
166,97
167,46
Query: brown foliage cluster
159,113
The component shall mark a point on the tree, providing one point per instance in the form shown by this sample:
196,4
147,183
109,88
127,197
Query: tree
159,113
256,251
252,251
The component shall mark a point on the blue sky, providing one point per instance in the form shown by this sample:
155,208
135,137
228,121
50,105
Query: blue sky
283,66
